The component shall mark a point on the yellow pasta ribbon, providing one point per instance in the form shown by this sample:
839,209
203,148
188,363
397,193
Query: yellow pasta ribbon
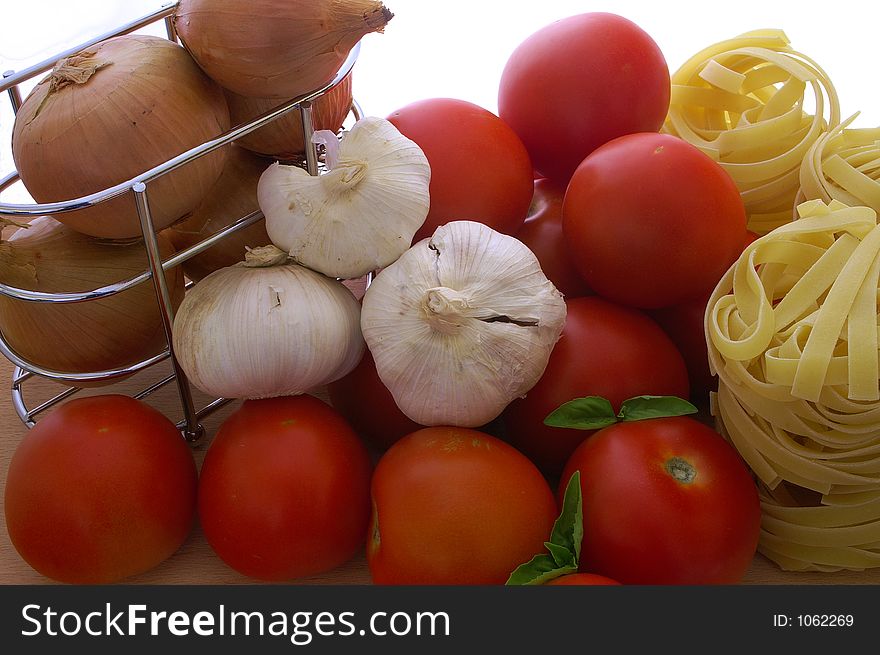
794,337
843,164
742,101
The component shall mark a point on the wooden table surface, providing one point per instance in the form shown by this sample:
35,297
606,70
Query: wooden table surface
195,563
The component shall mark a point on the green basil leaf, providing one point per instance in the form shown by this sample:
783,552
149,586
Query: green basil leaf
564,545
568,530
646,407
538,570
590,413
561,555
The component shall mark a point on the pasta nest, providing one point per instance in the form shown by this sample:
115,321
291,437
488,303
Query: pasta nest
843,164
792,330
743,102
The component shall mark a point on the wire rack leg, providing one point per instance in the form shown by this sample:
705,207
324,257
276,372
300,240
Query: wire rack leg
308,128
14,93
192,430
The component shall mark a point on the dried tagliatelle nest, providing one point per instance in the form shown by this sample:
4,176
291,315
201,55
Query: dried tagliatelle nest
793,336
844,165
756,106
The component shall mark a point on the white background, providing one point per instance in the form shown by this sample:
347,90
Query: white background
457,48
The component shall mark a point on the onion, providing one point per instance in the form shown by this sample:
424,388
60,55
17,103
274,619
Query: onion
283,137
233,196
89,336
275,48
111,112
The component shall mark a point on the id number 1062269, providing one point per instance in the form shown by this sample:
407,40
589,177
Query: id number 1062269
814,620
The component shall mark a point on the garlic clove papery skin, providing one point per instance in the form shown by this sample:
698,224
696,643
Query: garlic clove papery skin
261,332
461,324
359,216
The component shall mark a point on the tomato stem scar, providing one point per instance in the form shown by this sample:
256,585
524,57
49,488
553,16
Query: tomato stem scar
681,470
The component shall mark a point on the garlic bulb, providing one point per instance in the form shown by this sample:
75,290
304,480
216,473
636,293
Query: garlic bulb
461,324
267,327
362,214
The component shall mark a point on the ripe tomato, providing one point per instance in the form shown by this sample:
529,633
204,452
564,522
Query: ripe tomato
665,501
605,350
583,579
542,233
651,221
480,170
285,489
684,325
101,489
366,403
455,506
580,82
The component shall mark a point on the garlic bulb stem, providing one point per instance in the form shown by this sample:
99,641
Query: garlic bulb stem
330,141
264,256
444,308
351,174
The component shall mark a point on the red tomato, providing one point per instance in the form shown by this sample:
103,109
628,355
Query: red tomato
101,489
480,170
583,579
679,508
542,233
580,82
455,506
605,350
366,403
285,489
651,221
684,325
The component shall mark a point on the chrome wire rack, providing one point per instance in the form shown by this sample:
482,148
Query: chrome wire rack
190,425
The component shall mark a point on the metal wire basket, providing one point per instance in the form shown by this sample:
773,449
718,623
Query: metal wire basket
190,424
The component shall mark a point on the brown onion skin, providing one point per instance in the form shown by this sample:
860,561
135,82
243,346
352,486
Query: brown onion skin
275,48
89,336
233,196
150,103
283,137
